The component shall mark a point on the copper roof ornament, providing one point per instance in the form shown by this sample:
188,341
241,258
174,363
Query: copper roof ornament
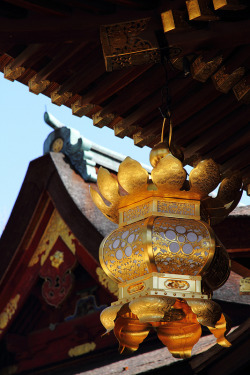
164,256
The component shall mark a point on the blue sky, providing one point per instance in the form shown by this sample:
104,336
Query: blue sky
23,132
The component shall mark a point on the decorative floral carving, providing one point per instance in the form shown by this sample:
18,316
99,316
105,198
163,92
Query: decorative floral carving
56,259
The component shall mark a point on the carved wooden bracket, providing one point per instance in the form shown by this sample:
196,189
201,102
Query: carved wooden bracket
79,109
129,44
60,99
101,121
13,73
242,90
202,68
224,81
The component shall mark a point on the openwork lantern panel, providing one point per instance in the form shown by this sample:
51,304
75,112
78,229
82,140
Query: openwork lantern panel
181,246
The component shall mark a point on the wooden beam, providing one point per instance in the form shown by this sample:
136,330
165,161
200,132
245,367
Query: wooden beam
231,145
194,102
239,253
111,83
123,102
35,28
174,20
212,137
237,162
198,10
46,6
239,269
202,120
217,35
228,5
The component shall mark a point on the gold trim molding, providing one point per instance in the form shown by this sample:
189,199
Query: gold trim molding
56,227
168,207
8,312
82,349
161,284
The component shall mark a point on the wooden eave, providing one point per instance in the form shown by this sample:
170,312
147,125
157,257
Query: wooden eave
50,176
54,48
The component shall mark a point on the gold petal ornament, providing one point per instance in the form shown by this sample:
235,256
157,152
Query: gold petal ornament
164,255
169,174
108,185
131,176
204,178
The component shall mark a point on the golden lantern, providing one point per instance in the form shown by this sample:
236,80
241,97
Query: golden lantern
164,256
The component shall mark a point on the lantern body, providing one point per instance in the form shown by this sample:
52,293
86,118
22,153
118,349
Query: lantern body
164,256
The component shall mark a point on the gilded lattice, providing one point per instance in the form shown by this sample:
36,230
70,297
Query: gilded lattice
123,253
180,246
136,212
176,208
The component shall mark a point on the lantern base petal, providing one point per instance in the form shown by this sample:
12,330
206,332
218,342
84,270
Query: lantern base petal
152,308
130,333
221,328
179,338
108,317
207,312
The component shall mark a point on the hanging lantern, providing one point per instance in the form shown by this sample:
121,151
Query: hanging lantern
164,256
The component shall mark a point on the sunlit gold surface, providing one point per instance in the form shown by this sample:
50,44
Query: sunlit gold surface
177,326
132,168
169,174
204,178
81,349
166,245
220,330
151,309
168,181
164,256
161,284
207,312
168,207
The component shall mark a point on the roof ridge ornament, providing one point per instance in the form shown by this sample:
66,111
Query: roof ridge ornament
82,154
